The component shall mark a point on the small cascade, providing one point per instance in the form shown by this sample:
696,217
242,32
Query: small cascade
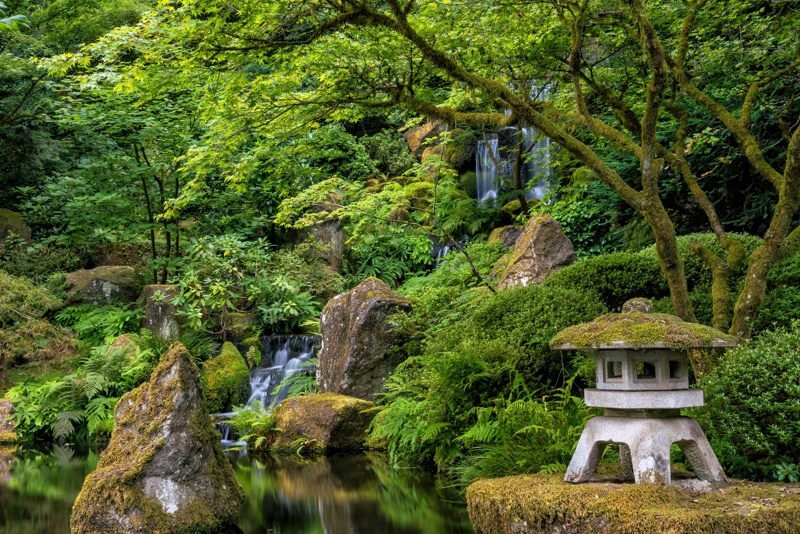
488,181
280,357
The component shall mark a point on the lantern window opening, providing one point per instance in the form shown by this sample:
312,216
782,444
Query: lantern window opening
613,370
645,370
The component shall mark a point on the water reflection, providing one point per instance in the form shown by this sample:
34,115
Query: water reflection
285,495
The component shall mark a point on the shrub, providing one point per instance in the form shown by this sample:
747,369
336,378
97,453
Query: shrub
40,261
614,278
99,324
494,354
226,380
697,274
20,300
389,150
781,304
753,402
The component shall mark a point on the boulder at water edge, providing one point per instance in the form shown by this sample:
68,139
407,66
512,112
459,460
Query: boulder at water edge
104,284
359,346
541,249
416,138
164,470
226,379
159,313
323,422
7,433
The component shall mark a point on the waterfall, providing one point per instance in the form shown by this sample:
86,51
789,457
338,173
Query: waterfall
281,356
488,181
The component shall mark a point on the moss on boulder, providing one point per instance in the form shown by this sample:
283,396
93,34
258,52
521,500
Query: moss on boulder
323,422
226,379
105,284
468,182
164,470
639,330
11,222
544,503
8,435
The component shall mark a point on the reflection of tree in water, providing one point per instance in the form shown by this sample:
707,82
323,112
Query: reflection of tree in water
351,494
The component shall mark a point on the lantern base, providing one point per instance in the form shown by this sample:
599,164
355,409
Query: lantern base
644,448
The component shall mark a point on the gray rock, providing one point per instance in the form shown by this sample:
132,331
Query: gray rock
164,469
541,249
159,313
105,284
505,235
8,435
359,346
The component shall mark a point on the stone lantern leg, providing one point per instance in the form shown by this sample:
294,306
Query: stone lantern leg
642,383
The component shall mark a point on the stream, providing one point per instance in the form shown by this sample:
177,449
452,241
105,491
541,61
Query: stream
350,494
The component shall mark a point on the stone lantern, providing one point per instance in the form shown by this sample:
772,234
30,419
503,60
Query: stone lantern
642,383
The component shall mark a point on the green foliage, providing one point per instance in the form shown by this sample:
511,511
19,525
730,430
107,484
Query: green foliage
226,380
752,404
20,300
782,302
226,275
392,255
300,382
389,150
614,278
12,23
81,404
697,274
96,325
494,354
199,344
255,426
39,262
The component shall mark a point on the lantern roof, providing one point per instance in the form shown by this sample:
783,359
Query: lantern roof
638,330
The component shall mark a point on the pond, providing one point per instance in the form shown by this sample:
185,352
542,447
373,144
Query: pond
350,494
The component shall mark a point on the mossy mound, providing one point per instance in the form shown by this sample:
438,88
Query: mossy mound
469,184
11,222
323,422
639,330
8,436
544,503
226,379
164,470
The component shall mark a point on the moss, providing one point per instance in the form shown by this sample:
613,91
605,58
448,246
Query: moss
324,422
226,379
543,503
469,184
11,222
639,330
242,325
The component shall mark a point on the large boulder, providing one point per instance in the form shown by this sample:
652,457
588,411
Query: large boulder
105,284
416,138
11,223
164,469
359,346
8,435
226,379
505,235
541,249
159,312
323,422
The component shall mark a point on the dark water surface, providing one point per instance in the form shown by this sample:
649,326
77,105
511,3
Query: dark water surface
354,494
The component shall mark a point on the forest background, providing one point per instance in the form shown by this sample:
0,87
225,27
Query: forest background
209,137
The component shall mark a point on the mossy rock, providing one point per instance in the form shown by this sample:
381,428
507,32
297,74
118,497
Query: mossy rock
11,222
8,435
159,312
105,284
505,235
530,504
416,138
510,211
226,379
164,469
419,194
324,422
639,330
469,184
460,149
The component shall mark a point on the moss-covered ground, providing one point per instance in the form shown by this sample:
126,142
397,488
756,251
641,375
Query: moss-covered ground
544,503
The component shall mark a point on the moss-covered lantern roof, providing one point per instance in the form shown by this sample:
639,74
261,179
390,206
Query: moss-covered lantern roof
637,330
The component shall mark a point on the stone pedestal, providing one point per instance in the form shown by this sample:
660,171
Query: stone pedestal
644,448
